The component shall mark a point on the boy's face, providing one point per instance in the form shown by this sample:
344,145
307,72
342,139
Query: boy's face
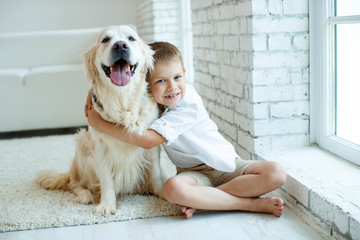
167,83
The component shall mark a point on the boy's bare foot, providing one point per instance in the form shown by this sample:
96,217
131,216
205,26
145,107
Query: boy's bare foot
271,205
188,211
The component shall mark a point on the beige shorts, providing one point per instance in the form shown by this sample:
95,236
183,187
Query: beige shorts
208,176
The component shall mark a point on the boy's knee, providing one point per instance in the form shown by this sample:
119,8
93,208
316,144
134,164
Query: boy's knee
176,189
277,174
172,189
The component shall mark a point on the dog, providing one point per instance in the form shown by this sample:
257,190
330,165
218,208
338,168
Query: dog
104,167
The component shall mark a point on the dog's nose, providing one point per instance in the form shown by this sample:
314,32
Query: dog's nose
121,45
120,50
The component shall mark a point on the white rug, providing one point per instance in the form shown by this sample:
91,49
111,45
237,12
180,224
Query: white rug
25,205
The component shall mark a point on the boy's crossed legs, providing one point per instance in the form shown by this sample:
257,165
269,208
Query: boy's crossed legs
192,191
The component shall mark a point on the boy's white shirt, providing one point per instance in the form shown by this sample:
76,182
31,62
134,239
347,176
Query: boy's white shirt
192,137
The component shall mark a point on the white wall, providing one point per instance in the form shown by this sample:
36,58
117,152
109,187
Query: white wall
252,70
145,20
39,15
159,20
280,91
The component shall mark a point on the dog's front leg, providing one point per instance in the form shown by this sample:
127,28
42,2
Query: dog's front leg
107,204
156,179
161,170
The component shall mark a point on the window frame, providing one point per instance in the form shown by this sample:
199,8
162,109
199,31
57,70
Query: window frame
322,84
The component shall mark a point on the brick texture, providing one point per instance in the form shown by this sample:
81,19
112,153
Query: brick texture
251,59
159,20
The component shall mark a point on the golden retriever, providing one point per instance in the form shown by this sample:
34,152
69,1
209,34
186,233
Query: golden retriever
104,167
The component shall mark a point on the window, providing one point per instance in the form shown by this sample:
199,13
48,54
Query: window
335,76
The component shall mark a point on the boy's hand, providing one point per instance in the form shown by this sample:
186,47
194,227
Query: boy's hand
94,119
88,105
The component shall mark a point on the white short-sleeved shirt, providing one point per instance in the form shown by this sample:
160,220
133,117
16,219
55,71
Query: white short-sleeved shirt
192,137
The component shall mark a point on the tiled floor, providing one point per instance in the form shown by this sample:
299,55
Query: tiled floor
204,225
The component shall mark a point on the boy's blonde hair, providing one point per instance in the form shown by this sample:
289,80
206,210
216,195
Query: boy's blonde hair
165,52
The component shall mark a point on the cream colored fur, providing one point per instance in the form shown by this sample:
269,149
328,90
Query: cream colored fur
103,167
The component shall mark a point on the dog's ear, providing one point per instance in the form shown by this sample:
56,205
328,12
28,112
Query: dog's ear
148,56
89,61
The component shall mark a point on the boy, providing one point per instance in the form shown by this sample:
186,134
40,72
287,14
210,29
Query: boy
210,175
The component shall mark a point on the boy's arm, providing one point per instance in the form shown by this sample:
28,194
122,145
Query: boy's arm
148,140
88,104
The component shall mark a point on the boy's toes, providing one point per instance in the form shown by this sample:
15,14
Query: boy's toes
188,211
278,202
183,209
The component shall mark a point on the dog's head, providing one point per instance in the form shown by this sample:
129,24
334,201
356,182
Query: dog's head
117,56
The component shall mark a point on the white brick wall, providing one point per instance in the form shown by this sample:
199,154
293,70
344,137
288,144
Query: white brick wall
159,20
281,74
251,58
145,20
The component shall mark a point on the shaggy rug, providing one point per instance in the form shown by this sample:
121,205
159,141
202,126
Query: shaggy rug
25,205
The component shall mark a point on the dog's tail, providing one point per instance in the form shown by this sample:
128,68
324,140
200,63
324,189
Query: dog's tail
53,180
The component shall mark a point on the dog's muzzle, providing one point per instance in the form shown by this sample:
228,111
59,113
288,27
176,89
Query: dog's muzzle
120,71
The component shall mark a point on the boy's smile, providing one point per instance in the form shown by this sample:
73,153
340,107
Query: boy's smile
172,96
167,82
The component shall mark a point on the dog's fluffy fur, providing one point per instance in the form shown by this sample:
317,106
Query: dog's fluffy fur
105,167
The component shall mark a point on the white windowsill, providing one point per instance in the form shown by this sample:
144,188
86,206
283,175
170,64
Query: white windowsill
327,186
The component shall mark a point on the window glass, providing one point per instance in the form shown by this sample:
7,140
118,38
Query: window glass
348,82
347,7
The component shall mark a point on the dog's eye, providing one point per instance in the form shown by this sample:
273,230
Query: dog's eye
105,40
131,38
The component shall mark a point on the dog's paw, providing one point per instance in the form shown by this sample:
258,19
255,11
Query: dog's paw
85,197
105,210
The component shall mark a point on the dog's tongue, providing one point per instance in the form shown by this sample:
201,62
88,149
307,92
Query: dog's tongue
120,74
